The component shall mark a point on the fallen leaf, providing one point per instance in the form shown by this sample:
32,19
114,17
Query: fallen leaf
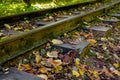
116,72
86,35
38,58
113,70
107,72
66,59
7,26
103,39
75,41
24,67
81,72
91,41
52,54
57,41
71,41
104,47
58,68
95,73
44,70
56,62
77,33
99,55
75,73
116,65
77,62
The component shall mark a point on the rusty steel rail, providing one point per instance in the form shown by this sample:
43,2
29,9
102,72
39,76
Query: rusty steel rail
26,41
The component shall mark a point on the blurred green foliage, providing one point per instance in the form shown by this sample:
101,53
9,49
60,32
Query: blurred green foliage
10,7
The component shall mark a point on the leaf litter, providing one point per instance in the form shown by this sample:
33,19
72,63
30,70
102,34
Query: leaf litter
103,63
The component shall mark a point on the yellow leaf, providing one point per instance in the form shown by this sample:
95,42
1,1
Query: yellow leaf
116,65
81,72
91,41
26,66
7,26
75,73
53,54
95,73
77,62
38,58
23,67
58,68
43,70
77,33
57,41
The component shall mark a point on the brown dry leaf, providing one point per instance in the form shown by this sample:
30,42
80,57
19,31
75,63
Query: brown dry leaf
116,48
52,54
75,36
77,33
24,67
56,62
107,72
67,59
116,72
85,34
38,58
7,26
91,41
57,41
46,19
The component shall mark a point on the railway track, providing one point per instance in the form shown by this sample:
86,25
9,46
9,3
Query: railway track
23,42
14,45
